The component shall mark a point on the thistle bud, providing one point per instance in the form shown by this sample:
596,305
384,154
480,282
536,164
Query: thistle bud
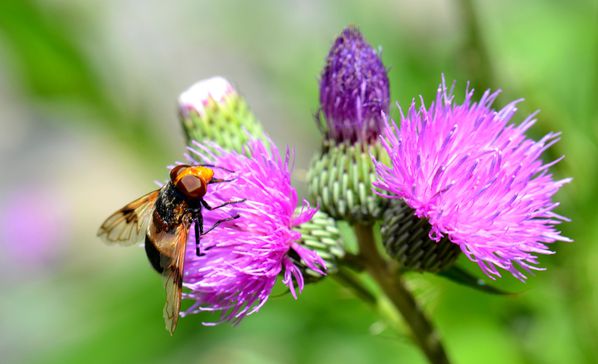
354,98
212,110
354,91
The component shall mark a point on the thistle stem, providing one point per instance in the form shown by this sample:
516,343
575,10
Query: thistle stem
347,279
385,273
476,60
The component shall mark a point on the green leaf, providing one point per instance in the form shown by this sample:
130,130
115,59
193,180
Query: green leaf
463,277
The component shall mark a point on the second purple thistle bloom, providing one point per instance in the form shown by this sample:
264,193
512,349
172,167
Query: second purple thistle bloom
476,178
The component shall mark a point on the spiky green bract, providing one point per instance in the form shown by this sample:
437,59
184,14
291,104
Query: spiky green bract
321,235
406,238
340,180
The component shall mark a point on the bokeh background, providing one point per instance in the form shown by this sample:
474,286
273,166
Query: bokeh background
88,122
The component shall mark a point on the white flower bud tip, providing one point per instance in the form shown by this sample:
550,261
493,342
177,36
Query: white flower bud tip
197,97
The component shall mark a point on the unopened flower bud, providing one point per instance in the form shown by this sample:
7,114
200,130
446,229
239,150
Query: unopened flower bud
212,110
354,101
354,91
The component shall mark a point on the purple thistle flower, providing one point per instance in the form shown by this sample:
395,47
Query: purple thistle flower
354,91
244,257
476,178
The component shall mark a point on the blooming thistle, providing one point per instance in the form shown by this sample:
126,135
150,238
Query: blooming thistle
476,178
244,257
354,96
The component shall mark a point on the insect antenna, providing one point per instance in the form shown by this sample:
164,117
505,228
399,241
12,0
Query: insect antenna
220,180
217,167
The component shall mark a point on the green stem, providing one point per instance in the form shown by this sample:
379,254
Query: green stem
348,279
385,273
475,55
352,261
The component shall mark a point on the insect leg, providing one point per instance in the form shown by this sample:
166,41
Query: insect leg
210,208
198,218
220,222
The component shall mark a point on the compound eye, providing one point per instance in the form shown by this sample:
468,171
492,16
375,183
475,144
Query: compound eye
192,187
174,172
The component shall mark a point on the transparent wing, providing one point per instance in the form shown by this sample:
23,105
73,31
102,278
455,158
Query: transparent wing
128,225
173,280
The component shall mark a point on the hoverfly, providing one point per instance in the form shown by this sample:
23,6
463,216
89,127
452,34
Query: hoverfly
163,217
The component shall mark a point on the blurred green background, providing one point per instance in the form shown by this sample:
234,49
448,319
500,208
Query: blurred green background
88,114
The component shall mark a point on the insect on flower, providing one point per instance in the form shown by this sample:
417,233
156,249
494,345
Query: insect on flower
164,217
